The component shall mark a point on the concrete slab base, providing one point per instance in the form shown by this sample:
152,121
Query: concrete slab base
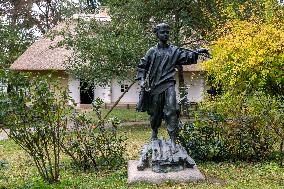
187,175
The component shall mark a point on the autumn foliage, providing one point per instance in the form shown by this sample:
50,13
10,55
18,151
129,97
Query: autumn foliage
247,69
249,56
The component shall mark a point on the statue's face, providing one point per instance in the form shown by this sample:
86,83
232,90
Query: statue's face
163,34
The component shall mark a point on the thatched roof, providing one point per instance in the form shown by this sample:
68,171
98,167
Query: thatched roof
43,55
40,56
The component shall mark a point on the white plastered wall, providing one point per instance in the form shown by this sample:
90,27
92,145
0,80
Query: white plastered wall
74,89
195,86
103,92
110,93
131,97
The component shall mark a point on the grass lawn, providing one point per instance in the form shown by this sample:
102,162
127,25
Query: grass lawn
129,115
17,169
19,172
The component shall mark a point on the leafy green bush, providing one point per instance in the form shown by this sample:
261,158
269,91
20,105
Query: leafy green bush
202,142
235,129
36,110
92,143
247,67
248,57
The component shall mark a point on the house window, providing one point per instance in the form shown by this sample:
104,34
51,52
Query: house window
3,86
123,88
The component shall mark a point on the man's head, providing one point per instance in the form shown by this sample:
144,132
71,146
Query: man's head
162,31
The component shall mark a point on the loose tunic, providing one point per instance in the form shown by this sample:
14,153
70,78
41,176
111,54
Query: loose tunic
157,67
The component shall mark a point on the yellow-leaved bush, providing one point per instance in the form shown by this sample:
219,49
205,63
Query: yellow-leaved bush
249,56
245,120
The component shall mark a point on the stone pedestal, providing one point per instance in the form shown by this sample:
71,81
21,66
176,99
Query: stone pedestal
147,175
160,161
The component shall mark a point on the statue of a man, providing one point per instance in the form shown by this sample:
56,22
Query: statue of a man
156,75
94,4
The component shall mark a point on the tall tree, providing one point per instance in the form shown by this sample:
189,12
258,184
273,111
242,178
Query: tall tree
112,50
22,21
114,47
36,15
13,43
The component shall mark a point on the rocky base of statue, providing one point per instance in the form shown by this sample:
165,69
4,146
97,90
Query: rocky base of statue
159,163
161,157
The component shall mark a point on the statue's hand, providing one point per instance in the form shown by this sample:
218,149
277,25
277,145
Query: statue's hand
203,50
142,83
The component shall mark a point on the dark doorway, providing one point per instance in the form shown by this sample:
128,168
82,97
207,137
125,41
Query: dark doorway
86,93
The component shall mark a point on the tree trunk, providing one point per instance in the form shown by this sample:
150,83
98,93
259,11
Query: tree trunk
281,153
182,86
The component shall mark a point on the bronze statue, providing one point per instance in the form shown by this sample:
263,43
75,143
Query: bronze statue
156,76
94,4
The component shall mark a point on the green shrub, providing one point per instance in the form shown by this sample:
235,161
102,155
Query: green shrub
247,69
202,142
241,129
36,110
93,144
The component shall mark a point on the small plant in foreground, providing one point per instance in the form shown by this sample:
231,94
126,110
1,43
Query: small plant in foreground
36,110
92,144
245,129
